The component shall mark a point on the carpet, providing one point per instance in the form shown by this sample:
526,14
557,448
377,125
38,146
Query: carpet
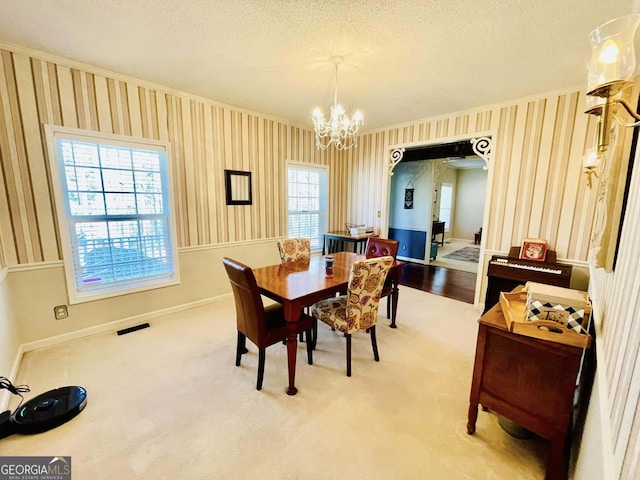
168,402
466,254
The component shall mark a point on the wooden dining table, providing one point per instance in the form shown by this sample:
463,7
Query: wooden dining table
298,284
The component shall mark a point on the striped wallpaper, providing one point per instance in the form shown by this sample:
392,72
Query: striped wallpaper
206,138
538,186
618,308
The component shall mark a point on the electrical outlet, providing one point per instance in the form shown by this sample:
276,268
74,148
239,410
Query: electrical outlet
60,312
379,213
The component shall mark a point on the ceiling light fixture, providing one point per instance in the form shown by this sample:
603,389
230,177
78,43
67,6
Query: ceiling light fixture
340,130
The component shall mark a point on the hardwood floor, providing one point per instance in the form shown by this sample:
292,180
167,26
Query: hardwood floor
447,282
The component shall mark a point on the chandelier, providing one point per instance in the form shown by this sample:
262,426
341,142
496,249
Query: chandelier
340,130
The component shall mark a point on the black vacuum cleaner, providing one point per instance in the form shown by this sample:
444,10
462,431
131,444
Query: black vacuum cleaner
44,412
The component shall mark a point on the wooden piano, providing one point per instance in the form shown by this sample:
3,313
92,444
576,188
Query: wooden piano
506,273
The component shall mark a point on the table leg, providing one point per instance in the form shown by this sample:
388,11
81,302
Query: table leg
292,348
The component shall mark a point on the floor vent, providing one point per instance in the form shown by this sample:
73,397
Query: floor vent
133,329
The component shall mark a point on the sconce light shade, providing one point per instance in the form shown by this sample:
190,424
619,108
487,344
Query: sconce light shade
611,70
613,52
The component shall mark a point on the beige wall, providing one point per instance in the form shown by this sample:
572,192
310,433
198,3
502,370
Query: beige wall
471,190
9,339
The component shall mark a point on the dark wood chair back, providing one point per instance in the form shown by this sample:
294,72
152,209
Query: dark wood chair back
381,247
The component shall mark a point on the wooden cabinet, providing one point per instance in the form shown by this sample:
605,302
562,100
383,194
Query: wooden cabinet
529,381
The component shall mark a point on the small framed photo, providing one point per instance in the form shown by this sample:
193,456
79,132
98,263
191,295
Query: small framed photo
534,249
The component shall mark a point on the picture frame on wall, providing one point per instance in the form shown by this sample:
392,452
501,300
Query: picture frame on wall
534,249
238,187
408,196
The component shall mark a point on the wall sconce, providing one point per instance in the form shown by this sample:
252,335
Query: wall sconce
611,69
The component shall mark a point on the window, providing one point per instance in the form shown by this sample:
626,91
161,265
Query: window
307,197
446,204
114,212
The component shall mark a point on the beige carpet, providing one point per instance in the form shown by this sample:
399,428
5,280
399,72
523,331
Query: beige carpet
167,402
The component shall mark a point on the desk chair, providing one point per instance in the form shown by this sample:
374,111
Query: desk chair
358,309
381,247
263,326
293,249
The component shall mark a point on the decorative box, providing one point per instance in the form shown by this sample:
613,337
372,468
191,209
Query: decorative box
515,311
564,306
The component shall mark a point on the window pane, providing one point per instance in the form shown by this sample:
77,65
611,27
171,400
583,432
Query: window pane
118,180
86,204
149,204
148,182
120,203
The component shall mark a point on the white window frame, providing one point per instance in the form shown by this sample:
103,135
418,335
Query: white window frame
66,222
316,246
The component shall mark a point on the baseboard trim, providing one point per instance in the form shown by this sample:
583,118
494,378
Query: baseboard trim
117,324
5,395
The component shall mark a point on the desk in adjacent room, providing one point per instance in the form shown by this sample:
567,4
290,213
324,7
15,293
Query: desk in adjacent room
437,228
335,242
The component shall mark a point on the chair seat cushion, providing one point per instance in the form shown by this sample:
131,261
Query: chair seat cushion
333,312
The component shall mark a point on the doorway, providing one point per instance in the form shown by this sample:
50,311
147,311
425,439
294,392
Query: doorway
448,183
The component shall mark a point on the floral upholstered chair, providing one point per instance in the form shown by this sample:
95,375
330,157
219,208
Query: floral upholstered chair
358,309
293,249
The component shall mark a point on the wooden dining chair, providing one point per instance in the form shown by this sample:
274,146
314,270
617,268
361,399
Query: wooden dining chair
293,249
358,309
264,326
381,247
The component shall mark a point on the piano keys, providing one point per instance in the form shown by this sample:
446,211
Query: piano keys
506,273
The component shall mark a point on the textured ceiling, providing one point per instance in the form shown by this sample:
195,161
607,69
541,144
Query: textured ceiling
404,59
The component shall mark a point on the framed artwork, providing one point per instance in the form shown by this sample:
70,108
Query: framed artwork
238,187
534,249
408,196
